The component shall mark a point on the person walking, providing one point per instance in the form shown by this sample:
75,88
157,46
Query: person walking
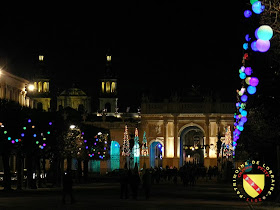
124,183
147,183
134,182
67,187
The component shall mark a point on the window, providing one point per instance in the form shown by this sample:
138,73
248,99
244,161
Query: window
41,57
113,87
103,87
109,58
108,87
39,86
45,87
35,86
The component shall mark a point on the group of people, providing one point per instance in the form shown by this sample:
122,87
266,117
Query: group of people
130,181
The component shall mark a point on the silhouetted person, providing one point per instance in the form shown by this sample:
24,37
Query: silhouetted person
67,187
135,181
124,183
147,183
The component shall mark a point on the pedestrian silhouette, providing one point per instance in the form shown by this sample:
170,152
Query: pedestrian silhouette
124,182
67,187
135,181
147,183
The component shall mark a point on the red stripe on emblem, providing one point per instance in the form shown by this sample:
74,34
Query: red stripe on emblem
252,184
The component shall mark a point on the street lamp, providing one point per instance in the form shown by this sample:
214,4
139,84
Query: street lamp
72,127
31,87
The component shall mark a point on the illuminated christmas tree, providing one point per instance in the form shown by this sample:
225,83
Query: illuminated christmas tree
136,148
125,149
227,146
145,150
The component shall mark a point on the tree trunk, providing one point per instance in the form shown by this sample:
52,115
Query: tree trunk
19,165
85,171
7,172
79,171
30,169
69,163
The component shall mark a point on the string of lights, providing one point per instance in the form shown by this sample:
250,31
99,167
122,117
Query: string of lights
254,43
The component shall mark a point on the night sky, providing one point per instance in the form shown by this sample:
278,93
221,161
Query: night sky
157,46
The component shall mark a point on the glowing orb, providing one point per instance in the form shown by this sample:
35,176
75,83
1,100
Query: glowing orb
248,71
257,7
263,45
254,46
247,13
242,75
251,89
244,98
254,81
265,32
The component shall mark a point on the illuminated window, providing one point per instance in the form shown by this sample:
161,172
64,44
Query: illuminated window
103,87
39,86
108,87
109,58
41,57
35,85
113,87
45,87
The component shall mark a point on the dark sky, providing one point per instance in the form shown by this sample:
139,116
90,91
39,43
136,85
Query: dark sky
157,46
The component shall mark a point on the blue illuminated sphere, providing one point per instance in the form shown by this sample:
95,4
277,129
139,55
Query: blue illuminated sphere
256,33
242,75
245,46
244,98
257,7
243,119
247,37
247,13
251,90
265,32
243,113
254,46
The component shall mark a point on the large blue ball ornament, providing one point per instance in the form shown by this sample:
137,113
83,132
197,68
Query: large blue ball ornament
265,32
257,7
244,98
254,46
251,90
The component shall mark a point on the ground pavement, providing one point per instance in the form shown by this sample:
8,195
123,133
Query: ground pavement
205,195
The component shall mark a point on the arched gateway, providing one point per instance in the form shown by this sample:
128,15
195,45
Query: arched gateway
188,130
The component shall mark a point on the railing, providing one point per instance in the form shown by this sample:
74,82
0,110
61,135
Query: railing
156,108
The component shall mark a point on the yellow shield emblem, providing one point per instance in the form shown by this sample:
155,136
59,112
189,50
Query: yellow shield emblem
253,184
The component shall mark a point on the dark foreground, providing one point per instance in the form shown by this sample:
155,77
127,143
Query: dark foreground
205,195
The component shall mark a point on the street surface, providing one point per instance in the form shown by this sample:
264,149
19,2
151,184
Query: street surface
205,195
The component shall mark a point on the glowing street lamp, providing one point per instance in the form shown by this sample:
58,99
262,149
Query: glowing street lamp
72,126
31,87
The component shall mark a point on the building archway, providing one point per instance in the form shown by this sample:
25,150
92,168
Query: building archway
192,144
156,153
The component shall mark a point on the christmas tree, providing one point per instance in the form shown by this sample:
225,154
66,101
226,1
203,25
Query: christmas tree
227,146
136,148
125,149
145,150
